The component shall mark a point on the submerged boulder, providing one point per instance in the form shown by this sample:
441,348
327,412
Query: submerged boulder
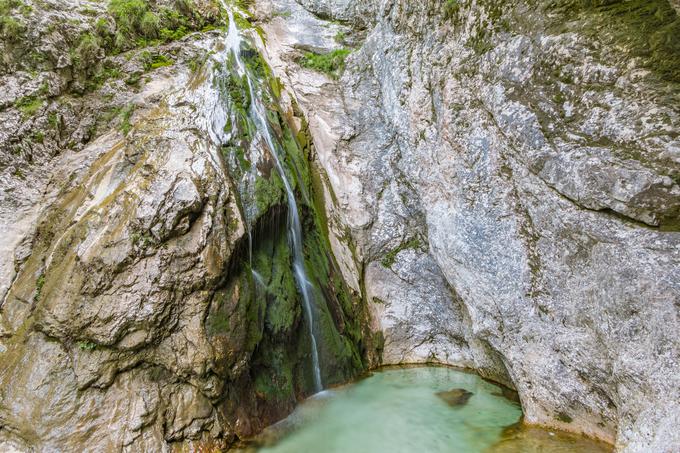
455,397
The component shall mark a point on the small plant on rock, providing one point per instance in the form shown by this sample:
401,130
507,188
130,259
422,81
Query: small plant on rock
29,105
87,345
451,8
125,116
331,63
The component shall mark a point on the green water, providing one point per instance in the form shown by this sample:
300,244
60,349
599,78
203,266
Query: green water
397,410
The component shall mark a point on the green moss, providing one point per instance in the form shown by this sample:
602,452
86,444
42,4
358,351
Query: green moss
295,159
128,15
238,92
670,224
240,155
269,192
196,63
281,317
142,240
238,322
89,11
282,352
149,25
243,5
29,105
155,61
390,258
11,29
168,34
564,417
283,14
451,8
255,64
340,37
134,79
125,116
318,199
104,74
6,6
481,42
219,323
101,26
87,345
284,308
39,283
274,378
139,23
86,53
331,63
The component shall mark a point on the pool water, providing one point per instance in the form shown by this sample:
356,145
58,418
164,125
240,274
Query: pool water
399,410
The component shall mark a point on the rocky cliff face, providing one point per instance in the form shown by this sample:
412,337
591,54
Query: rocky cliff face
148,298
498,183
505,185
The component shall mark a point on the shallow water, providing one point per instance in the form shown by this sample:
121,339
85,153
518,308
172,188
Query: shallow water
397,410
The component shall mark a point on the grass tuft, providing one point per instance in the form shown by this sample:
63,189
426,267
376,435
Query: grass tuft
29,105
331,63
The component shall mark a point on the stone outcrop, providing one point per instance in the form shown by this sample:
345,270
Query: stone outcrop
505,188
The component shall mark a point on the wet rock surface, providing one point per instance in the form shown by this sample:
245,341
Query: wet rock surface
529,439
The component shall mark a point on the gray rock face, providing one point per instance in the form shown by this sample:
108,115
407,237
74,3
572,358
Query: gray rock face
504,180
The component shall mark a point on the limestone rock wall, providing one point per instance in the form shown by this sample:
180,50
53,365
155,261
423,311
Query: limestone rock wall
504,185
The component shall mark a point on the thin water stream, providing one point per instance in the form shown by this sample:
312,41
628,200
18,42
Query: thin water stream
258,115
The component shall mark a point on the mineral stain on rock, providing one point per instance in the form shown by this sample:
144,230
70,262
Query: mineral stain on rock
455,397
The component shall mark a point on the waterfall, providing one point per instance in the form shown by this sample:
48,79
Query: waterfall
258,115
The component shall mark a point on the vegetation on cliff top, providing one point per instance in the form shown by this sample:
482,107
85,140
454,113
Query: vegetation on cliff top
139,23
136,23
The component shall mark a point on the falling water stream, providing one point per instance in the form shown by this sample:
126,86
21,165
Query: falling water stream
258,115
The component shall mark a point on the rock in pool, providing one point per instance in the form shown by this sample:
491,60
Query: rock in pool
455,397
